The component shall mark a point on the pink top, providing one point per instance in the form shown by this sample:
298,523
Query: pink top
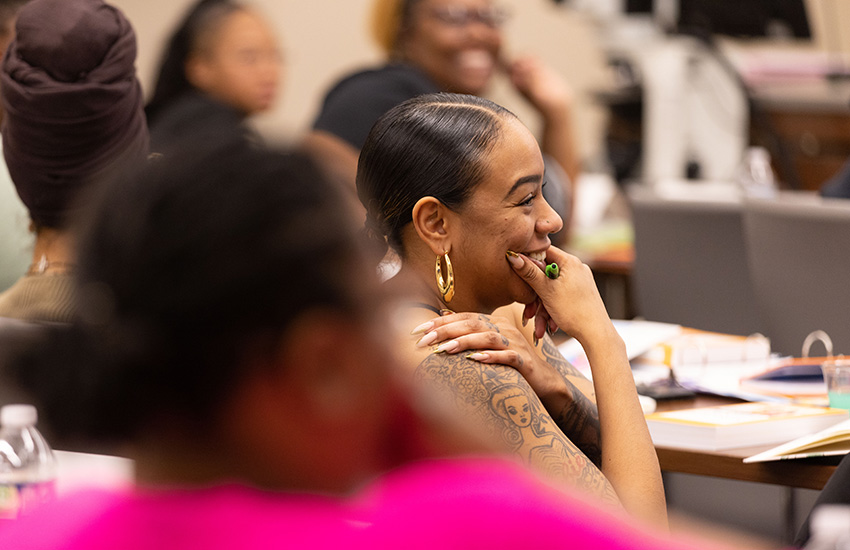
436,504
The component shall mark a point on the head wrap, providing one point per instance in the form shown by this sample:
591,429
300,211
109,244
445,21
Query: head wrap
72,100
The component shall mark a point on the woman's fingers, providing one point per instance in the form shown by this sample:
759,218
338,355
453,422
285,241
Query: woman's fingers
448,319
526,269
493,340
540,323
455,325
571,300
530,311
548,324
478,341
477,335
547,90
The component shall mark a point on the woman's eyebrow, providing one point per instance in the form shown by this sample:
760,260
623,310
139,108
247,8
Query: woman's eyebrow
534,178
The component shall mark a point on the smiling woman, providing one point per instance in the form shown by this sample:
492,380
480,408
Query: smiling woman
450,46
459,178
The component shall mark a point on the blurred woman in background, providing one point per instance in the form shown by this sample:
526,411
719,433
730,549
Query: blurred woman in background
451,46
73,115
223,60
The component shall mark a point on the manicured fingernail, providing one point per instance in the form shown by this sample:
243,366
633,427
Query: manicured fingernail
447,347
427,340
445,312
535,339
478,356
423,328
550,331
514,259
524,321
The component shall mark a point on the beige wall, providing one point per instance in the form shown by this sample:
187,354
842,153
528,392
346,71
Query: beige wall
322,39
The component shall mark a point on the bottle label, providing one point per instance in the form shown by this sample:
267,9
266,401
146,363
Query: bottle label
17,499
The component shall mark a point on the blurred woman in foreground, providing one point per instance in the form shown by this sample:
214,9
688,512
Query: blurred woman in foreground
230,335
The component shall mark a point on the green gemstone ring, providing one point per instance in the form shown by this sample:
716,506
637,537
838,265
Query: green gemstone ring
552,271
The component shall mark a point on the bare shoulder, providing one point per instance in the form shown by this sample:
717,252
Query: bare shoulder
404,320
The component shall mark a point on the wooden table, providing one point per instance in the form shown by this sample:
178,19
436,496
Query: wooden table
809,473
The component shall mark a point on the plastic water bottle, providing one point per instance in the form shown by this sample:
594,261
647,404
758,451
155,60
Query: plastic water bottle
830,527
756,176
27,464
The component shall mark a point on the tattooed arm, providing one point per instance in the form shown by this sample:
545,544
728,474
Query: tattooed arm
618,429
628,455
577,415
567,395
499,401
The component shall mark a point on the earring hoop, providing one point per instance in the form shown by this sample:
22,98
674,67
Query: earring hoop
447,285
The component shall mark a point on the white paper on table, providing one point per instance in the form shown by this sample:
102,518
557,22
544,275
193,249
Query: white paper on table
639,337
87,471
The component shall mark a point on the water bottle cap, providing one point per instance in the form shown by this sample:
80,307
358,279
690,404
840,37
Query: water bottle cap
830,518
18,415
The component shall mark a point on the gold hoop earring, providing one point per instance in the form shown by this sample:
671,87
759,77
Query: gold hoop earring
447,285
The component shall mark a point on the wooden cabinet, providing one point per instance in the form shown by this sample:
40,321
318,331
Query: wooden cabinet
806,127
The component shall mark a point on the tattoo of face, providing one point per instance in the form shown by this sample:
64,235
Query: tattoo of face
500,401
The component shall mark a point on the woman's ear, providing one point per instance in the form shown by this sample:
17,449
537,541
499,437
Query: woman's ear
310,415
307,383
198,72
433,224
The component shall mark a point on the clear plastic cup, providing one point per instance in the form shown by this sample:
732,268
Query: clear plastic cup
836,375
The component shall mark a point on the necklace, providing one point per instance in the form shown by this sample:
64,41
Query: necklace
40,267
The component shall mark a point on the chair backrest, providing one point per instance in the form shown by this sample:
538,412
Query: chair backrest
799,254
15,335
691,263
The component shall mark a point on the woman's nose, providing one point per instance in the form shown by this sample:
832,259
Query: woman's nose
549,221
482,33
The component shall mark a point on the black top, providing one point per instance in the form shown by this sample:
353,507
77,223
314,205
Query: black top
189,111
423,305
356,102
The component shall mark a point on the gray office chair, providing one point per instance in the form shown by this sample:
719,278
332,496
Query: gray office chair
799,254
691,263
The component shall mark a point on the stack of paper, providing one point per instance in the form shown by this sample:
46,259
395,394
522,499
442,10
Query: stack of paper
796,377
834,440
697,347
739,425
639,337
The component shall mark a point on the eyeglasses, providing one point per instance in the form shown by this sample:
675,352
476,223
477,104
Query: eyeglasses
458,16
